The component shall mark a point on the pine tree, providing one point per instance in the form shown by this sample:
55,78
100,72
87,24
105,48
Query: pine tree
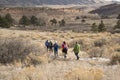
118,16
9,19
34,20
117,26
101,27
24,21
62,22
4,23
53,21
94,27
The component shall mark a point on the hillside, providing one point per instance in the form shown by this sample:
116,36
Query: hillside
111,9
49,2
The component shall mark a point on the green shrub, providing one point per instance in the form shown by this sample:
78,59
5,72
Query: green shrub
9,19
24,20
62,22
117,26
94,27
4,23
34,20
101,27
53,21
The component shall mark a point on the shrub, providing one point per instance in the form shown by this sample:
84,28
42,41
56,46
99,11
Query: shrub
4,23
9,19
34,20
101,27
100,42
62,22
19,50
118,16
95,52
83,20
24,20
53,21
77,17
94,27
117,26
84,74
115,59
42,22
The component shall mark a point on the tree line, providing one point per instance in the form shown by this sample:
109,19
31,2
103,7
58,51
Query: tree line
102,28
7,21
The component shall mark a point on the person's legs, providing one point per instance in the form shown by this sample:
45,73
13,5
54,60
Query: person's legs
47,48
77,56
56,54
65,56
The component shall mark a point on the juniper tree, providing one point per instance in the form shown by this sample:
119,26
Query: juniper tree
94,27
101,27
24,21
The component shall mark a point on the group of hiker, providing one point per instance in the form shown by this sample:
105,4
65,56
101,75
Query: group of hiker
54,47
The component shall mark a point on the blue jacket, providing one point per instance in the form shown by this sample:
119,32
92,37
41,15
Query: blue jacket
56,47
46,43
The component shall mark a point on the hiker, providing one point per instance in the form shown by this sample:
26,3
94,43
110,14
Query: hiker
47,44
64,49
51,46
76,50
56,47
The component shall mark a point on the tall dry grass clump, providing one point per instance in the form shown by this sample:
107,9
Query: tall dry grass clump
29,73
115,59
84,74
13,50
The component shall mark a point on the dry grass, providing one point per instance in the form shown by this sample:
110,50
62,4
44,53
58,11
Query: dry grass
85,74
29,73
14,50
115,59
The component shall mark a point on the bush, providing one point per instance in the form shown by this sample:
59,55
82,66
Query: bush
96,52
77,17
34,20
24,21
83,20
101,27
84,74
62,22
53,21
9,19
94,27
42,22
117,26
4,23
118,16
19,50
115,59
100,42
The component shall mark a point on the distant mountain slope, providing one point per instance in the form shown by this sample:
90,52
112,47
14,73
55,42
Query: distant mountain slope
111,9
50,2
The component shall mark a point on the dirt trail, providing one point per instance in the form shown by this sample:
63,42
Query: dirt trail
56,69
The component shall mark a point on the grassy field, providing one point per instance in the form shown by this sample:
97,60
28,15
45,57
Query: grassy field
41,65
23,55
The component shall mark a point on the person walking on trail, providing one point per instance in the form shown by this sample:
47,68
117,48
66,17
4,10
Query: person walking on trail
76,50
47,44
64,49
56,47
51,46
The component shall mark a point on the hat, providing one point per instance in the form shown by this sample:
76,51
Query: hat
55,41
